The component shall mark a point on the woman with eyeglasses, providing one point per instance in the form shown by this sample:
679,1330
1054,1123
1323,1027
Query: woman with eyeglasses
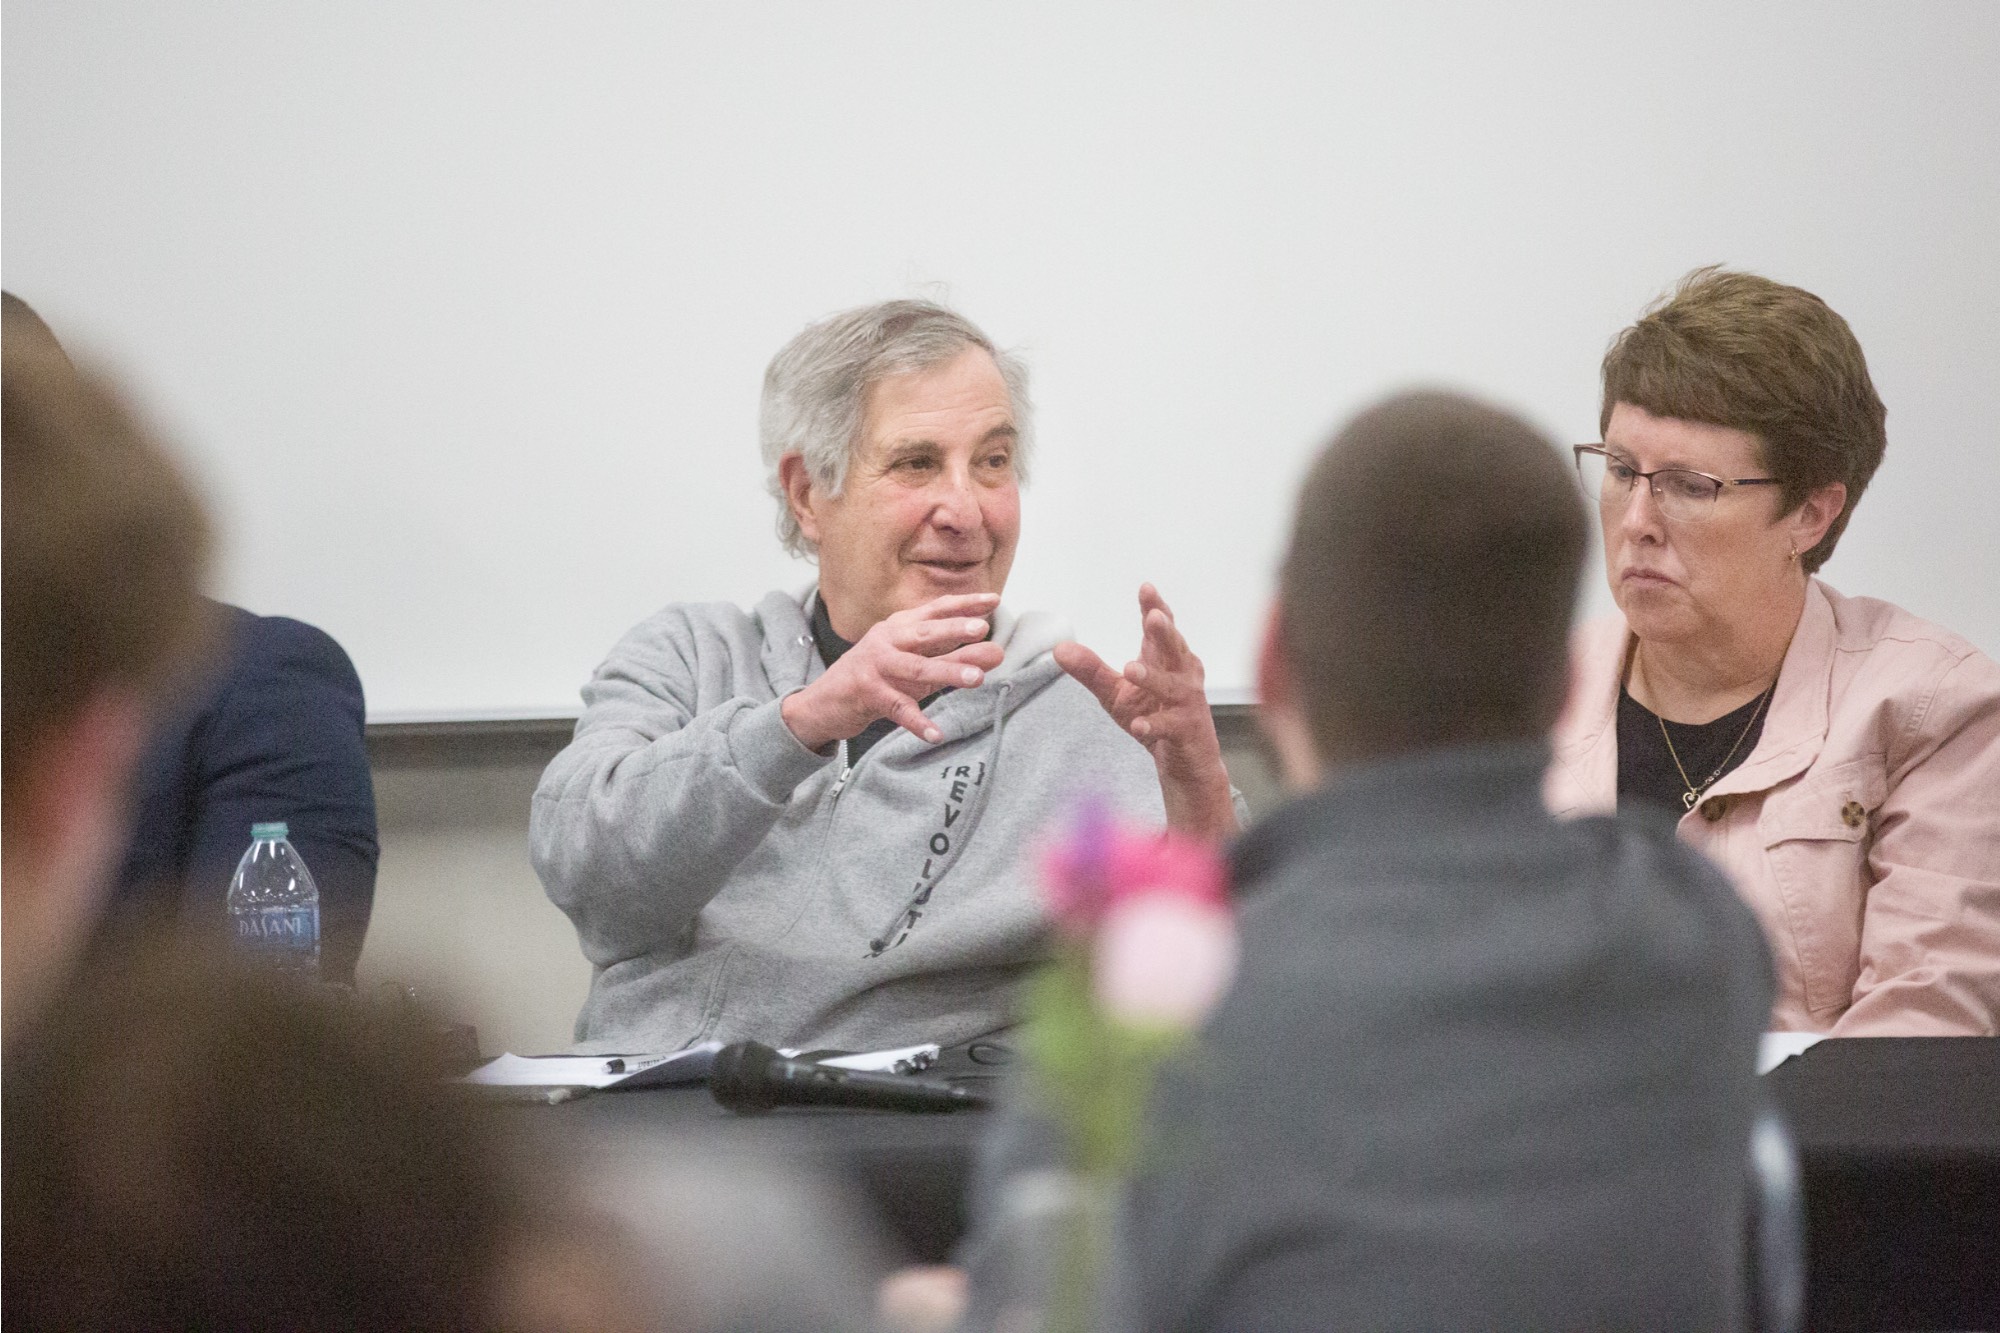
1838,756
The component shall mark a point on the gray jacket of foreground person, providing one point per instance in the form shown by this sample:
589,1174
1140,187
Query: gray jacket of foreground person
1480,1070
728,883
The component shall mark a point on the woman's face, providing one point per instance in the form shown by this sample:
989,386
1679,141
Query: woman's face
1681,581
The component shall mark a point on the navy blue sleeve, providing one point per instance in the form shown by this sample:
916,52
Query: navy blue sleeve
284,739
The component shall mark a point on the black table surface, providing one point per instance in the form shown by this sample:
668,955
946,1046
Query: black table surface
913,1170
1897,1095
1900,1139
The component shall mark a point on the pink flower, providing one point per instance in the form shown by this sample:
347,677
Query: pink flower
1102,864
1162,961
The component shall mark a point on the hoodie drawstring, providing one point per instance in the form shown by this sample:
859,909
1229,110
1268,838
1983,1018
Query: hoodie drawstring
910,910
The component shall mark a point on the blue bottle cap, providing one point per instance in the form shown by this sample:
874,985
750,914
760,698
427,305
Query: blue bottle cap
262,832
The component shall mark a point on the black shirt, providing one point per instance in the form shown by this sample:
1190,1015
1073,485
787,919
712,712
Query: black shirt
278,734
1707,750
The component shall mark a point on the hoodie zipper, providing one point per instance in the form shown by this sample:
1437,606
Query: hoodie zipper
833,807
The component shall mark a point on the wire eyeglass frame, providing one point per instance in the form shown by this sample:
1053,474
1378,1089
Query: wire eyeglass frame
1688,503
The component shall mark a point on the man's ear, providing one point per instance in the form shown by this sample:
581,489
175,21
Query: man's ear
1812,518
796,479
1279,714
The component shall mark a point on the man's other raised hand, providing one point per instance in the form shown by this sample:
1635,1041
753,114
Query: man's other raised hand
1160,703
902,659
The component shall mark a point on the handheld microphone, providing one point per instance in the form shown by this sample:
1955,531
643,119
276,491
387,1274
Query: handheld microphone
751,1078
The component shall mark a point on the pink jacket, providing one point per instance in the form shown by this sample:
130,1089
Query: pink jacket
1864,828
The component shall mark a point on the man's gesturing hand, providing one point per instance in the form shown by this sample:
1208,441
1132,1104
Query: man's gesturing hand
1159,701
899,661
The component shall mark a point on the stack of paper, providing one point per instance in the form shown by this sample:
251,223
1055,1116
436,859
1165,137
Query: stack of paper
901,1060
657,1071
1774,1048
597,1071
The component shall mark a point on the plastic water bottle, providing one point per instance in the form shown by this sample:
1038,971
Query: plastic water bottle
274,904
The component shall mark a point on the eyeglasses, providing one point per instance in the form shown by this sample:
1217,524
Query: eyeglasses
1682,494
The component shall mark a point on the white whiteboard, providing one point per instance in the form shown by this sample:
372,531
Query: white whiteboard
460,310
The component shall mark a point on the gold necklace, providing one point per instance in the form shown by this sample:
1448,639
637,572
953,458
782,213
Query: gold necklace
1693,793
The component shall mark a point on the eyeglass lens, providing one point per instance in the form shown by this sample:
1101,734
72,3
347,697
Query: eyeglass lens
1679,494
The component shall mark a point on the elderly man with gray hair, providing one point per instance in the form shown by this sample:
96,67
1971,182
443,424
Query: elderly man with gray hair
802,823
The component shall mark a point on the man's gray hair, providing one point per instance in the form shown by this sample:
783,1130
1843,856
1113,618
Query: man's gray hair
816,390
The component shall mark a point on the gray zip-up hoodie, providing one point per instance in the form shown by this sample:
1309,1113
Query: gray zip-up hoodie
729,883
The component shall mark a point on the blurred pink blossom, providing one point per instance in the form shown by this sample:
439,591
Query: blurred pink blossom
1102,864
1163,960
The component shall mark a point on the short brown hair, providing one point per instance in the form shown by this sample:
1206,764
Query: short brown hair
105,548
195,1142
1738,350
1433,568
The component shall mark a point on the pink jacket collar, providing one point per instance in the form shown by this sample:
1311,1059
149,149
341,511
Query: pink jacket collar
1583,776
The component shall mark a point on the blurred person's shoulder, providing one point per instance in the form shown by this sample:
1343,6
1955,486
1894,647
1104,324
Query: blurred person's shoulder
282,641
1681,909
276,674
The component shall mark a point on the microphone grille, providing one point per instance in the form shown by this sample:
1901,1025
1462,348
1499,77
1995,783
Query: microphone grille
739,1078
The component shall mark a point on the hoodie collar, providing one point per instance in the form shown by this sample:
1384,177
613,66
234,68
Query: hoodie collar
788,656
1025,669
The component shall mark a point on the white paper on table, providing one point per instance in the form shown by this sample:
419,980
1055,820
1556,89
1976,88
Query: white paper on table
596,1071
902,1060
1774,1048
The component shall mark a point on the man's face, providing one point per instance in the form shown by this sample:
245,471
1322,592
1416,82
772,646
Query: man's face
930,506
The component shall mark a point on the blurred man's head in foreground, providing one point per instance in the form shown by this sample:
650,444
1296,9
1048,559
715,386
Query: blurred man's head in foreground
1425,597
196,1142
105,553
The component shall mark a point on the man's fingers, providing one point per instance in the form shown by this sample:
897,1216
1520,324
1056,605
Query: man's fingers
1161,685
915,675
1090,671
1162,640
936,637
953,604
941,624
1150,602
903,710
1171,706
985,656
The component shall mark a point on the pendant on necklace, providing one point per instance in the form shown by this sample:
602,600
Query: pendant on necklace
1688,798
